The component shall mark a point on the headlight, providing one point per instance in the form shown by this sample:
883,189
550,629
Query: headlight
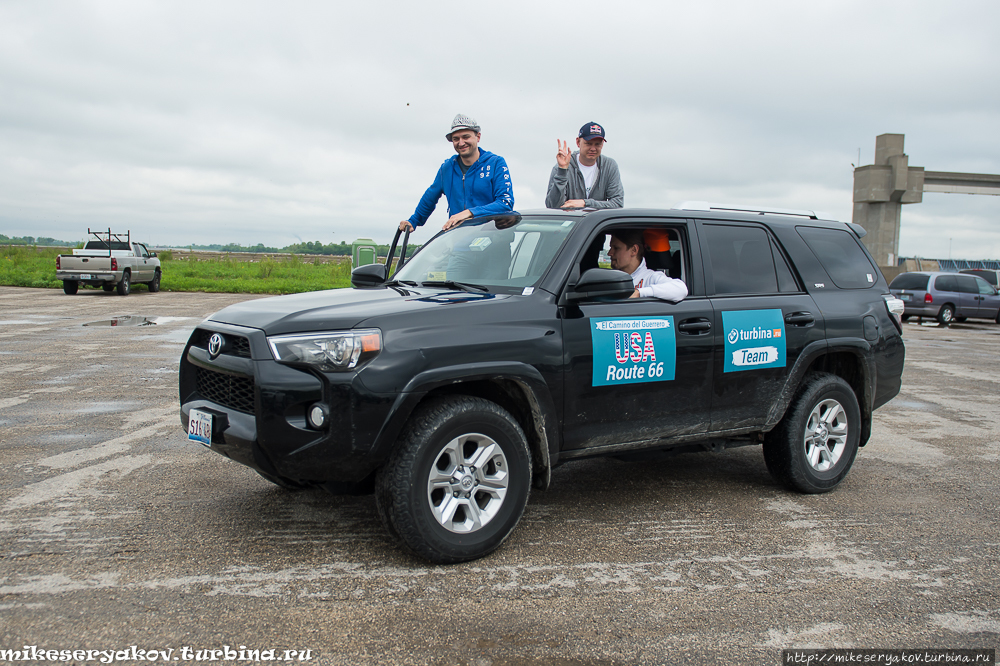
329,352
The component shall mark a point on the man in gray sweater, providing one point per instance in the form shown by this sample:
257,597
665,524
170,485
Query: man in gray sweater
585,179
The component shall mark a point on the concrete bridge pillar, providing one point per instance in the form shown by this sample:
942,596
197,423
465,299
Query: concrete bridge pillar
880,190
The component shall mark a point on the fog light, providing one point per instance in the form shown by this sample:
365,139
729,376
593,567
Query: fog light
318,415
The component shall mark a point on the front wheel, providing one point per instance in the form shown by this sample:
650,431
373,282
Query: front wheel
946,315
125,286
814,446
458,481
71,286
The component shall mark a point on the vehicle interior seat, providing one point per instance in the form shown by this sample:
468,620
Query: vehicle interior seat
659,254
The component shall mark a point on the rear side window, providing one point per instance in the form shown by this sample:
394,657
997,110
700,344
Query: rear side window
913,281
946,283
841,256
741,260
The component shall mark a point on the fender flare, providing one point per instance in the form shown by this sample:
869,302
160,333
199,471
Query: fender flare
861,349
526,377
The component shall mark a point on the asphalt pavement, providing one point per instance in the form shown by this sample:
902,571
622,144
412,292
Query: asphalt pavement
116,531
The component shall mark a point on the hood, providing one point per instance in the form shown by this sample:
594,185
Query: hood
339,309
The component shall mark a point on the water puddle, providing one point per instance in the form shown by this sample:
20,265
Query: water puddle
126,320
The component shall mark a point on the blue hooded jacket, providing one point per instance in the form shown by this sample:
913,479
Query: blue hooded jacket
484,189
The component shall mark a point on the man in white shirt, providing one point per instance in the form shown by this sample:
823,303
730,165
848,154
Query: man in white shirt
627,254
585,178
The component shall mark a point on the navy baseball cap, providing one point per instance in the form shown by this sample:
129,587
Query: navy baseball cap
592,131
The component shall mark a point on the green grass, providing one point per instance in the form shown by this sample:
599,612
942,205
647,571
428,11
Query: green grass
22,266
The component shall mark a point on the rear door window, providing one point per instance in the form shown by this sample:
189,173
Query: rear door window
741,257
841,256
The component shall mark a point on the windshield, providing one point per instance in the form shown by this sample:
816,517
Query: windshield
506,253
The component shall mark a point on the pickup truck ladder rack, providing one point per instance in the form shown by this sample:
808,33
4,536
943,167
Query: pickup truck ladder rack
108,238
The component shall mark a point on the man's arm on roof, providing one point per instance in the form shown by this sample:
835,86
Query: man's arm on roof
558,183
428,202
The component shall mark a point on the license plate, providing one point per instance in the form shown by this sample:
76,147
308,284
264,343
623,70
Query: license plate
904,297
86,276
200,427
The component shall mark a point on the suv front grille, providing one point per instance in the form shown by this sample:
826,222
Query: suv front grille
238,345
231,391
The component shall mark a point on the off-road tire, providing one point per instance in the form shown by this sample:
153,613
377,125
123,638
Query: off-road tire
71,286
787,447
426,451
125,286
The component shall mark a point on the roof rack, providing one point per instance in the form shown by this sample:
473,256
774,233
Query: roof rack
738,208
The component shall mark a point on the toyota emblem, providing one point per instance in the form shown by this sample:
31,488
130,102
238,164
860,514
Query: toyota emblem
215,345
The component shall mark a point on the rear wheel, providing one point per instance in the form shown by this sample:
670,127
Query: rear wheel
71,286
108,287
946,315
814,446
125,286
154,286
458,481
960,319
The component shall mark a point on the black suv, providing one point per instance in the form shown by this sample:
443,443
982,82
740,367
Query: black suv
503,348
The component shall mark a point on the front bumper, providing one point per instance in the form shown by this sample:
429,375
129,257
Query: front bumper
259,409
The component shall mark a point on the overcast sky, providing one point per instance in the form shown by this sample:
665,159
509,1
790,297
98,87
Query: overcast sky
266,122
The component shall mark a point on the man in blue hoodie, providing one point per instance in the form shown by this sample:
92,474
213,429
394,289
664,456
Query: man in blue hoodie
476,182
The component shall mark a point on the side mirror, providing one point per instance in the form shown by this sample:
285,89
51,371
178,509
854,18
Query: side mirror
370,275
602,283
152,255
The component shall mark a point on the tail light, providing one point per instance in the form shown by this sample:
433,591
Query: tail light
114,264
928,298
58,263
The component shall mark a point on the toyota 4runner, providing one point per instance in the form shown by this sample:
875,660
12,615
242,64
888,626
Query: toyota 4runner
503,348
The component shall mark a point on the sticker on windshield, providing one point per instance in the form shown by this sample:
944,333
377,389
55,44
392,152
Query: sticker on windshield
629,351
755,339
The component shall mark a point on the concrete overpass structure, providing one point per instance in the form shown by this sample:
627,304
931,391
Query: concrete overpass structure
881,189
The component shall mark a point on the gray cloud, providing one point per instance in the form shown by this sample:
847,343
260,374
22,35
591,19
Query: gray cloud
257,122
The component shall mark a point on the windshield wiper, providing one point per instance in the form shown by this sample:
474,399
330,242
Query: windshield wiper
394,283
464,286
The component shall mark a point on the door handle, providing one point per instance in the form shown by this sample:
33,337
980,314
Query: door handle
800,318
696,326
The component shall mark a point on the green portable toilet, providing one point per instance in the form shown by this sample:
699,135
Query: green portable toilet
364,251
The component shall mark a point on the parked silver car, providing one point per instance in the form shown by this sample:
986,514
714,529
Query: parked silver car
946,297
989,274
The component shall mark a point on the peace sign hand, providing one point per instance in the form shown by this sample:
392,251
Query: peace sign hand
562,155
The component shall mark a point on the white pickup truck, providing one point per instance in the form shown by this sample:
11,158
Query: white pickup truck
112,262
